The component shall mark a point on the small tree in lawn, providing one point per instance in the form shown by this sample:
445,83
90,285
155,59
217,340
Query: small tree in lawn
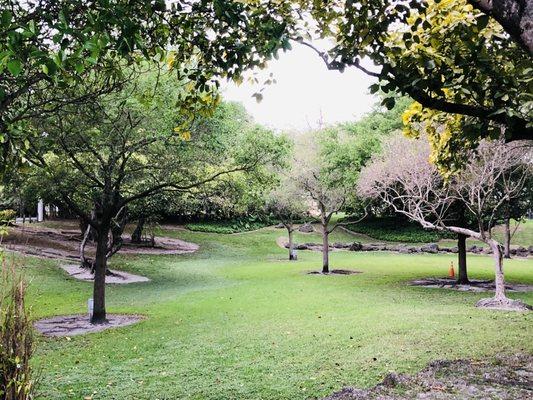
328,200
403,178
287,203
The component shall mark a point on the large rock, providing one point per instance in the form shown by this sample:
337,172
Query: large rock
475,249
341,245
430,248
306,228
356,246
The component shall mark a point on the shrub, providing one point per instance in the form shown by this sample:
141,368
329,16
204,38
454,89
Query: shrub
231,226
7,216
393,229
16,338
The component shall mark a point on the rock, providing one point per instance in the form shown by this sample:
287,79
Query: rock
369,247
522,251
475,249
530,249
341,245
430,248
391,380
306,228
356,246
454,249
303,246
280,226
403,249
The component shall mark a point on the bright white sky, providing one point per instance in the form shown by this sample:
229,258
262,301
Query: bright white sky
305,93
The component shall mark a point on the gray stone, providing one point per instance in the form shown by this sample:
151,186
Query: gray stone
356,246
306,228
430,248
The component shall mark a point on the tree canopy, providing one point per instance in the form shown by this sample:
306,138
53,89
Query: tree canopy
458,63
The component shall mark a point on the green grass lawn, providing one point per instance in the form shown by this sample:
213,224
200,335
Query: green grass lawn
238,321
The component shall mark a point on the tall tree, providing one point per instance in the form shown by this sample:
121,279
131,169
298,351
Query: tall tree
104,155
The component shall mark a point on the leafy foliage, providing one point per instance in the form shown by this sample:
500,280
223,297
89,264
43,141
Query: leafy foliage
16,337
50,50
444,54
250,223
395,229
7,216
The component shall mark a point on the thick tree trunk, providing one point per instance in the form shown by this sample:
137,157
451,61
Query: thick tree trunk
498,267
291,245
325,249
507,239
100,269
461,255
136,236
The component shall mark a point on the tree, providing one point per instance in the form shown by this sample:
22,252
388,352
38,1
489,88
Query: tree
513,15
347,147
104,155
403,178
325,188
458,64
59,53
287,203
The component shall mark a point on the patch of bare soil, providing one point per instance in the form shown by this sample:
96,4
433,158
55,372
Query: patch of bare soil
504,304
79,324
473,286
335,272
118,277
64,244
503,378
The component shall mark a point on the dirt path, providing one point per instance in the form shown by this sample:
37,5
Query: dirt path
503,378
79,324
64,243
116,277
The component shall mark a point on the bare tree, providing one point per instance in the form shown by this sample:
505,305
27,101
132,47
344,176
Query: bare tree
403,178
287,203
327,200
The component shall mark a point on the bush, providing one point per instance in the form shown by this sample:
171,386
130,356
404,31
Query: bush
16,338
7,216
393,229
231,226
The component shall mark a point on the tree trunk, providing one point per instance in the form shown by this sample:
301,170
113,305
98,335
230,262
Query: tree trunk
325,249
85,263
136,236
461,254
291,245
100,269
498,266
507,239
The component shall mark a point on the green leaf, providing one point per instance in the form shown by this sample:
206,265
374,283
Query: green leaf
429,64
14,67
374,88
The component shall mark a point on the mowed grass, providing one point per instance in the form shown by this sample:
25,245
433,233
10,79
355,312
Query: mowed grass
238,321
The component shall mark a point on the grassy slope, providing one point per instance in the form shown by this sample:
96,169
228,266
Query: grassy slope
237,321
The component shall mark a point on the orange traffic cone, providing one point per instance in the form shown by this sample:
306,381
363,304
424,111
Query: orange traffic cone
451,271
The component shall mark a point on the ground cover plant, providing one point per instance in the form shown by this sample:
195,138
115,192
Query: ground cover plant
394,229
236,320
230,226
